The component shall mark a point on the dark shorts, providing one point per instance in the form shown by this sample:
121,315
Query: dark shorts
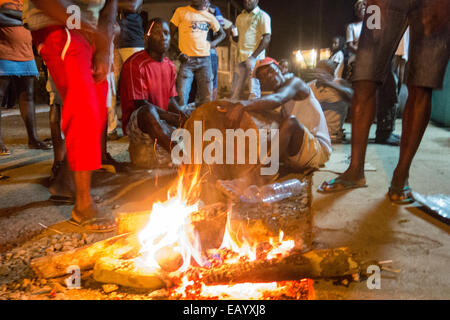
429,49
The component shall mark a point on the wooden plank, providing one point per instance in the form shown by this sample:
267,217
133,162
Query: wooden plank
328,263
56,265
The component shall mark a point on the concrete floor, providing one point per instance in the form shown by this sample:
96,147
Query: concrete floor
362,219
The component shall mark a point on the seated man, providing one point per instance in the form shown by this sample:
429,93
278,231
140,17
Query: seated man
304,138
334,95
304,141
150,111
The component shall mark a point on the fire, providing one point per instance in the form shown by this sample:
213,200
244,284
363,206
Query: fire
245,250
169,230
170,236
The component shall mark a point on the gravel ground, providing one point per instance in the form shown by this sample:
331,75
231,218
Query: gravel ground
18,281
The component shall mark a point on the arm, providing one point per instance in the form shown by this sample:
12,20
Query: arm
293,89
263,45
174,43
129,5
106,27
170,117
219,36
345,92
56,9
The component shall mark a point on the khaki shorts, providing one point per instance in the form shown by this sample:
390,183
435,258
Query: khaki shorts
312,154
144,152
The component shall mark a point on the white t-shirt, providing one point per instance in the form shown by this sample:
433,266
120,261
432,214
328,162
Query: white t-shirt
193,26
338,59
354,31
403,47
309,113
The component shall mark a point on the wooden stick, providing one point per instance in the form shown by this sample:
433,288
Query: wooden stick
314,264
56,265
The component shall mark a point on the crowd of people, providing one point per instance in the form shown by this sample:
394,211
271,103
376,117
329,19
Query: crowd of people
111,54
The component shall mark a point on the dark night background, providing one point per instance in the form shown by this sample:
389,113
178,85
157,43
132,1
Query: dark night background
298,24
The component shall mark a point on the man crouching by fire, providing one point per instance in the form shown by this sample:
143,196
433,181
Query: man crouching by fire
304,141
150,111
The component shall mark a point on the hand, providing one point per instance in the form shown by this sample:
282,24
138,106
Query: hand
101,65
183,58
234,115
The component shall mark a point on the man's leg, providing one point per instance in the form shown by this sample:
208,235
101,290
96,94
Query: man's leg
291,137
27,110
215,70
255,88
149,122
4,81
363,113
184,82
239,77
204,78
415,120
387,112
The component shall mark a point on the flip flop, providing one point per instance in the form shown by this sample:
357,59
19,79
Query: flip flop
62,199
40,145
339,184
87,225
5,153
401,196
70,200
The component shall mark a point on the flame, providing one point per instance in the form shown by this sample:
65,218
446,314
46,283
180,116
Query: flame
246,250
169,225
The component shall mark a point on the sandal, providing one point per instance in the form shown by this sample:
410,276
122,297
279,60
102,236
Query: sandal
339,184
95,225
2,177
401,196
39,145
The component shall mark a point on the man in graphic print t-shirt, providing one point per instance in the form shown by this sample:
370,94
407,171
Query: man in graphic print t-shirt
192,24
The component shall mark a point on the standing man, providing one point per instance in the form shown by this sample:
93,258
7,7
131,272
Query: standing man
254,34
78,61
192,24
430,42
214,58
131,38
386,94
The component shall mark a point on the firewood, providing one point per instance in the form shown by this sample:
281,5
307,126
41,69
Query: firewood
328,263
127,273
56,265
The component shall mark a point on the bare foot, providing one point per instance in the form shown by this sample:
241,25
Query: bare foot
4,150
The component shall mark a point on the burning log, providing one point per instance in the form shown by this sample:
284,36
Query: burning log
56,265
209,221
127,273
328,263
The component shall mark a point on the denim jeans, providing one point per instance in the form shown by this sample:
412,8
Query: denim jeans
198,68
241,77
